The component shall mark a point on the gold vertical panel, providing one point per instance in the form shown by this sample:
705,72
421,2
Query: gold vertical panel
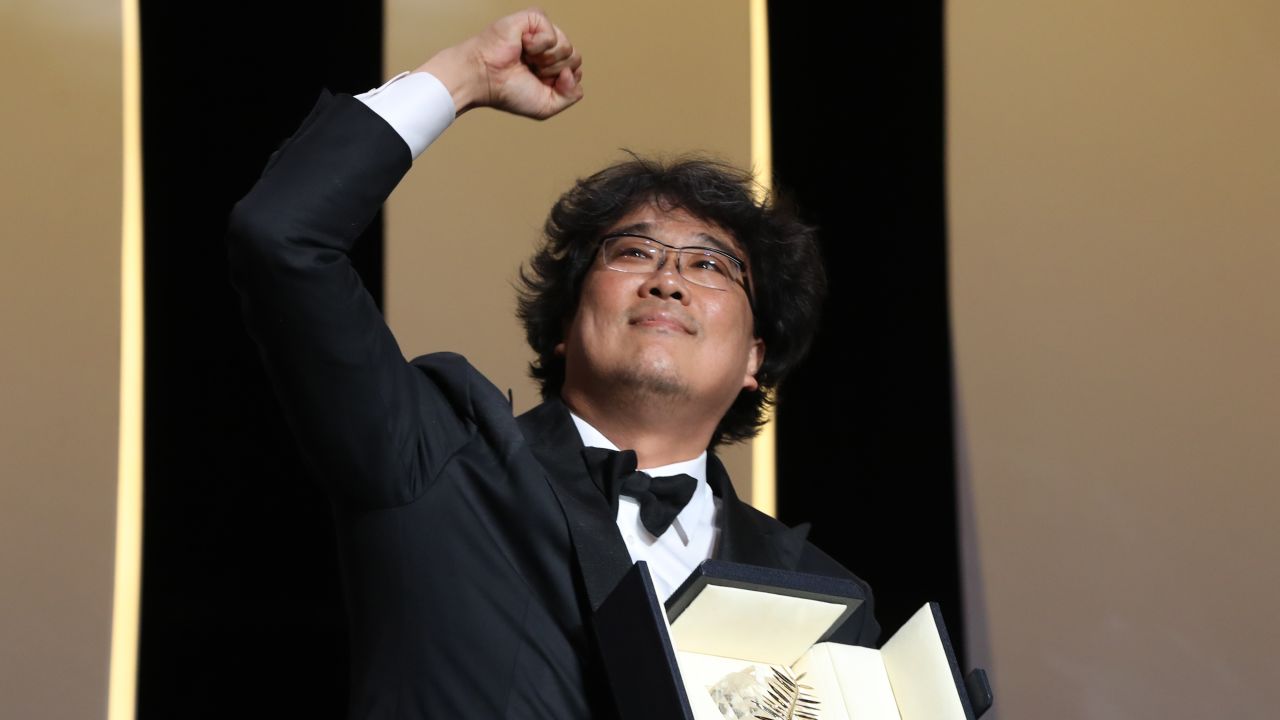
60,397
128,547
764,491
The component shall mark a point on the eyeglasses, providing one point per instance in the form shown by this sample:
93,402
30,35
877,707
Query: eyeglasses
703,266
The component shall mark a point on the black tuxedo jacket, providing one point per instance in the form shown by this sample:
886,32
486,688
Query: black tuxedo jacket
474,544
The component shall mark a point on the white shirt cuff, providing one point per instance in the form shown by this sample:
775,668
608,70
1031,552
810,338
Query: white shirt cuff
416,105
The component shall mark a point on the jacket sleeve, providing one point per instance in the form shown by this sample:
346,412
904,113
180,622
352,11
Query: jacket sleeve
371,427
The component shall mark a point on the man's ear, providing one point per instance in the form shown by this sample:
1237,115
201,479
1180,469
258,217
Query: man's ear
562,347
755,358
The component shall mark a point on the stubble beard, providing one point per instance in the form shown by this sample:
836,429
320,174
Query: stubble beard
644,386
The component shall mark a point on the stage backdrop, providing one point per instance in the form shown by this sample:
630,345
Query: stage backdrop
1115,203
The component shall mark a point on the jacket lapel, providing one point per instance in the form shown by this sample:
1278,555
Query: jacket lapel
593,528
748,536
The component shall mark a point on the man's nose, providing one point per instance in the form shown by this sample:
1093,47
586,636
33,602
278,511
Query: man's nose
665,281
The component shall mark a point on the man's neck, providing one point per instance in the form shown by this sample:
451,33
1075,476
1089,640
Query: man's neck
695,467
658,438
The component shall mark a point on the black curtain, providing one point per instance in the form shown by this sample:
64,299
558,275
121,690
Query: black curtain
242,613
865,446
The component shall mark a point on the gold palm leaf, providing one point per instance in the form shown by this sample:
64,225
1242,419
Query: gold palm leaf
788,698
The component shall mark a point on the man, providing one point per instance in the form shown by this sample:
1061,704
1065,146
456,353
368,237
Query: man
475,546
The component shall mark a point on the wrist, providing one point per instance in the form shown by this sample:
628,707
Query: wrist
461,74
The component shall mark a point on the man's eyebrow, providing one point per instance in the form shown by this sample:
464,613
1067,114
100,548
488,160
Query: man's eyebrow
644,228
719,244
640,228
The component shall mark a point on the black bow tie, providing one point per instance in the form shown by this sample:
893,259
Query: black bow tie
661,498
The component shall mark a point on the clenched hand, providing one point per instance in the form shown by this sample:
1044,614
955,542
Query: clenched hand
522,64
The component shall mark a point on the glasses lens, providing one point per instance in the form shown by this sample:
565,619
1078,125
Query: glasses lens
707,268
632,254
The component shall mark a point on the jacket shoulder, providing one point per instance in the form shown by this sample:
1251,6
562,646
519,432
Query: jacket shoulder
470,394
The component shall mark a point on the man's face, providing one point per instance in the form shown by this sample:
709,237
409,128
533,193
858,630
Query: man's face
657,335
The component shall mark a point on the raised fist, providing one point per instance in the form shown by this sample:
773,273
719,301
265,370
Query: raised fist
522,64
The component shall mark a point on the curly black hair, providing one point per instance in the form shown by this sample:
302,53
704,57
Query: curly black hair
788,280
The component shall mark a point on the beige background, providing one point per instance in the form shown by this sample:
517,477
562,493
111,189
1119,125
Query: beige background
660,77
1115,204
60,185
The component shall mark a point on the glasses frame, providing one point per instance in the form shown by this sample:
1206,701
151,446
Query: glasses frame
680,252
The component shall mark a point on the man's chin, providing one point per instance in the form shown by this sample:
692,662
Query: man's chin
652,384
